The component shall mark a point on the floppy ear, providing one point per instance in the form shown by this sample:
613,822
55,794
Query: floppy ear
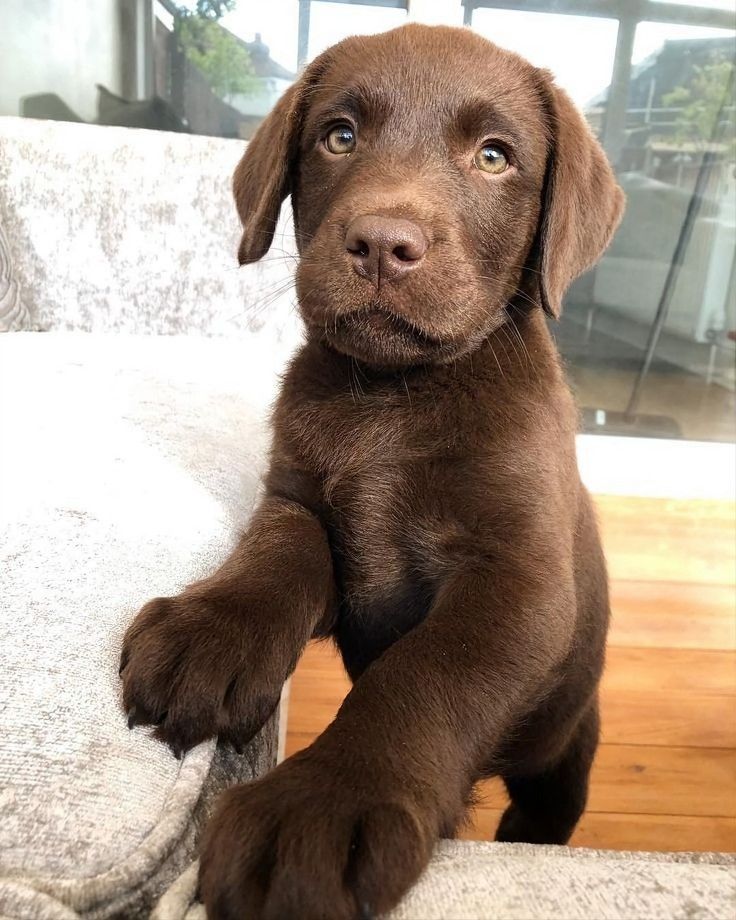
261,180
582,203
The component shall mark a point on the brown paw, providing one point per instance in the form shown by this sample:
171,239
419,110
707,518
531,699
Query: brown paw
310,841
189,668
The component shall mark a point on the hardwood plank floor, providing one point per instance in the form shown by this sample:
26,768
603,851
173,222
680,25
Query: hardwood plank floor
665,774
663,833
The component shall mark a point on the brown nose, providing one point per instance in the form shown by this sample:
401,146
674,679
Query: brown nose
384,249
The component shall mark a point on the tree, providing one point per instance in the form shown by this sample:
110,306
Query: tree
706,106
213,50
214,9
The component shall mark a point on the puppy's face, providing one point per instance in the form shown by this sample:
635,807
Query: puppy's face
417,194
420,164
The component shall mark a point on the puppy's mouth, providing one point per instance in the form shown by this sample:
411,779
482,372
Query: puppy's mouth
379,336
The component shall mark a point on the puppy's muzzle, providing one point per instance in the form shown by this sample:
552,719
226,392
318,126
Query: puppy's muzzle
384,249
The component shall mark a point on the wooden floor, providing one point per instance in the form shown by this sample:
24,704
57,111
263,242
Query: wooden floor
665,774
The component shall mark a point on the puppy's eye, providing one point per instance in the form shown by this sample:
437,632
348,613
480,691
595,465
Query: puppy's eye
340,139
491,159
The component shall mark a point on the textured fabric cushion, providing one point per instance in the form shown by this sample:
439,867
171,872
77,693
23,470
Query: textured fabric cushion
14,315
118,229
127,465
502,881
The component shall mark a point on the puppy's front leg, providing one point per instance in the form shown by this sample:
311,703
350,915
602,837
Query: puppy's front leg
212,660
344,828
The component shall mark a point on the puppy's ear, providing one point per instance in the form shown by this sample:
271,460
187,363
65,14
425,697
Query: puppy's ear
263,176
261,180
582,203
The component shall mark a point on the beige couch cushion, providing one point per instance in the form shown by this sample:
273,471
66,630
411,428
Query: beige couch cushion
127,465
128,230
14,315
502,881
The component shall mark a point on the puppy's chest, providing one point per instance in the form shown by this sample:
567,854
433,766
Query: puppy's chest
381,476
368,495
372,529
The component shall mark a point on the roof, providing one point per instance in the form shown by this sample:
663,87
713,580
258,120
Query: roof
669,66
263,64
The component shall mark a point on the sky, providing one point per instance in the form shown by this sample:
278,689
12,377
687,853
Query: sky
578,49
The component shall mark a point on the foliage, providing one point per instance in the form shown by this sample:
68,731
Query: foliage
214,51
706,105
214,9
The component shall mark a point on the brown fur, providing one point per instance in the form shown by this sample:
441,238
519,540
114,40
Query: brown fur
423,505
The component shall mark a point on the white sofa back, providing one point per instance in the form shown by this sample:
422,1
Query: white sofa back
119,229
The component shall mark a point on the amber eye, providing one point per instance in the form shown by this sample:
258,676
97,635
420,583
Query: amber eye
491,159
340,139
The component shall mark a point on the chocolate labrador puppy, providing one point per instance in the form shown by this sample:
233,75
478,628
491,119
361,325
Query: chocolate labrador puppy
423,506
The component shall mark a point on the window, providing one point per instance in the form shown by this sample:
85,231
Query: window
544,39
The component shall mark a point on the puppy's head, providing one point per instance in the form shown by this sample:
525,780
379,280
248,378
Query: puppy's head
434,179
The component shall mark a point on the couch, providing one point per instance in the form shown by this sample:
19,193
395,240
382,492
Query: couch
135,380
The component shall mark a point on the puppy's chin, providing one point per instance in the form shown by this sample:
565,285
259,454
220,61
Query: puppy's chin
376,336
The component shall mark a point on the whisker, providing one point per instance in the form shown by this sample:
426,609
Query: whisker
354,375
495,358
408,394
